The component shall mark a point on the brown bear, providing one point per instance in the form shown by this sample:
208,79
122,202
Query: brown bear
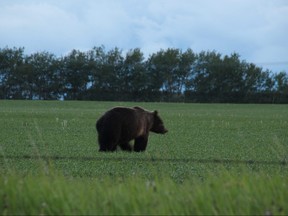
120,125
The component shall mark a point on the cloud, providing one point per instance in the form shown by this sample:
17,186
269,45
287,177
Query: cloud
255,29
39,26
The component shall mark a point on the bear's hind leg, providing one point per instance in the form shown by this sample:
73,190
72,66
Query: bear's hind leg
107,144
112,147
101,142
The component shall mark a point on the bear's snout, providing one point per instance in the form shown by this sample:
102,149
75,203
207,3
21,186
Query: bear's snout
160,130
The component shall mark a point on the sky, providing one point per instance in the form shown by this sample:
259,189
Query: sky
255,29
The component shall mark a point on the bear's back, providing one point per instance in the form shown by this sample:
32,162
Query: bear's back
117,115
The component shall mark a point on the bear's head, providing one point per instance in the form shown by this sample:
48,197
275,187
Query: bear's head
158,125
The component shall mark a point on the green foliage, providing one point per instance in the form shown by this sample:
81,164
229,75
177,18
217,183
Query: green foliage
215,159
64,132
231,194
167,75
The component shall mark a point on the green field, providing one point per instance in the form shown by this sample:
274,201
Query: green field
215,159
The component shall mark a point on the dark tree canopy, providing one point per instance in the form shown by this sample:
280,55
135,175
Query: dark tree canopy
167,75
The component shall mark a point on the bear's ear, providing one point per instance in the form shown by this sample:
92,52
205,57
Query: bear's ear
155,112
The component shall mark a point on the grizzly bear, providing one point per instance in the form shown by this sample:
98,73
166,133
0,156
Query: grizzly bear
120,125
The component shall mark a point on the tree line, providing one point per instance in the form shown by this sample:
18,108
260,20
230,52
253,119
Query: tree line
167,75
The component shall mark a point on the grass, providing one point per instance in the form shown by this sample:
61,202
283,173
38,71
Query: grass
225,194
215,159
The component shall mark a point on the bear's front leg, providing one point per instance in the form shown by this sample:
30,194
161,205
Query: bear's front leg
140,144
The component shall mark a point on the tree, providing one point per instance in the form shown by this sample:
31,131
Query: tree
46,82
281,85
251,78
10,75
207,73
96,58
169,75
106,72
76,75
281,82
134,78
164,72
186,70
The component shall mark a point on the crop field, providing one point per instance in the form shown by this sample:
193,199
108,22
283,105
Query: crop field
215,159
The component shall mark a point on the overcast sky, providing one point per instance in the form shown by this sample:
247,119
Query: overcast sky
255,29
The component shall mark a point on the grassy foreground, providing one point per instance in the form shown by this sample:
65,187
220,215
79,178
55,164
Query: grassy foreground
215,159
226,194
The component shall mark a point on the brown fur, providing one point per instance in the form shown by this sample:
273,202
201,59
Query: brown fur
120,125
